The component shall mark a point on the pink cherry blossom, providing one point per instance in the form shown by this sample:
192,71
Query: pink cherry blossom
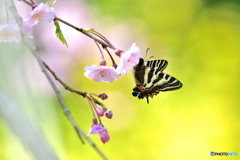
41,12
96,129
9,33
101,73
129,59
104,136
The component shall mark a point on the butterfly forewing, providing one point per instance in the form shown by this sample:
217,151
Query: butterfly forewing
154,68
150,79
159,65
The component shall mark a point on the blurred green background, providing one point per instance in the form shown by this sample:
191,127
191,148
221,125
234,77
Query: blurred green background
199,38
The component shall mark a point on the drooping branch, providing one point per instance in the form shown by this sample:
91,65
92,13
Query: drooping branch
32,47
18,122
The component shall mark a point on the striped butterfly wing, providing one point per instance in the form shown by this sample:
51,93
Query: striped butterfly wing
150,79
158,65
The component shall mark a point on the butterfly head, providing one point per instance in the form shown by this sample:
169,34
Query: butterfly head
140,64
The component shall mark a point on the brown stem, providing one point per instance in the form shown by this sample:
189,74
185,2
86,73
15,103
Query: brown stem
103,38
114,64
85,33
28,3
64,84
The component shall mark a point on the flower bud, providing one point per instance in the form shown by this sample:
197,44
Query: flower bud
103,96
103,62
118,52
100,111
109,114
104,136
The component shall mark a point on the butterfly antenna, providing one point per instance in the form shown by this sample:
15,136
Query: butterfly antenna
146,53
150,57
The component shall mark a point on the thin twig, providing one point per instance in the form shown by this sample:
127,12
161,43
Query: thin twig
102,37
29,43
30,4
102,55
113,62
64,84
92,101
82,31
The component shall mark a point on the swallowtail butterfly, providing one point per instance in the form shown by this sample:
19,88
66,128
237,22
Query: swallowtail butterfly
150,80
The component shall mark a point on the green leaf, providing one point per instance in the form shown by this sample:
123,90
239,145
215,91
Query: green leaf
59,33
51,3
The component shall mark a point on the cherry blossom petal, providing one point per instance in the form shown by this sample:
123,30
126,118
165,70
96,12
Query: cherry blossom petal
96,129
129,59
101,73
41,12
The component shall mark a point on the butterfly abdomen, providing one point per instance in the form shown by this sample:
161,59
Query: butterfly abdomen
139,72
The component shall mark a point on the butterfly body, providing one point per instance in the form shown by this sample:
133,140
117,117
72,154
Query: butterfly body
150,80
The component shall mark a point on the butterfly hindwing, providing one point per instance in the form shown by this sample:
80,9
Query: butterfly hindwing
167,82
150,79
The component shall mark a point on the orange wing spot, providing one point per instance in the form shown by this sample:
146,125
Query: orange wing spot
149,92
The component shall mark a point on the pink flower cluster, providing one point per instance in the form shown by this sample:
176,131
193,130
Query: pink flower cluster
108,74
10,32
98,111
40,12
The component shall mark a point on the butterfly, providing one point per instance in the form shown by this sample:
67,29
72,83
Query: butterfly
150,80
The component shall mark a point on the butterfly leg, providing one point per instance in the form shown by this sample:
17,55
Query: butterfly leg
147,100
